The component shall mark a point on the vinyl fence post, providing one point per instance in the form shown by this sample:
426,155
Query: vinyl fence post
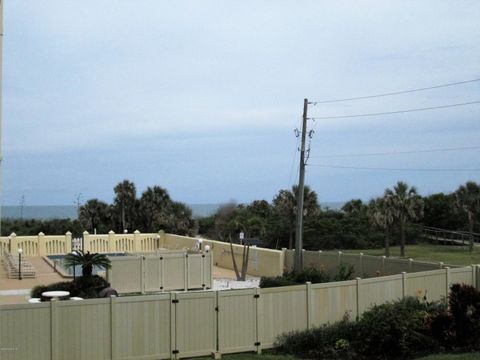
360,261
474,277
113,348
410,265
258,299
339,259
173,325
358,296
309,304
404,284
384,270
447,281
142,271
54,329
441,265
185,278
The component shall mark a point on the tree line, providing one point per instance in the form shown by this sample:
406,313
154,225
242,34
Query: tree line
152,211
383,221
388,219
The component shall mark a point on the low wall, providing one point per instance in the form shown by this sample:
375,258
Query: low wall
189,324
44,245
160,272
262,261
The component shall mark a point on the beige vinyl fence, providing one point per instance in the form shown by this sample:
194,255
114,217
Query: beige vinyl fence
262,261
162,271
363,265
185,324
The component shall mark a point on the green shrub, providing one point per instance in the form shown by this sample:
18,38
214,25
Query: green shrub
459,327
85,288
268,282
325,342
397,330
345,272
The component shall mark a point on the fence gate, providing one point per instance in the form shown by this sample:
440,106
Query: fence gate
237,321
195,324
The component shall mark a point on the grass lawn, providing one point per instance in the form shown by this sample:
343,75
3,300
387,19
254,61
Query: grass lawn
252,356
466,356
454,255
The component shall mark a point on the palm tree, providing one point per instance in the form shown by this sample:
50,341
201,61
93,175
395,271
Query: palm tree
94,214
124,204
87,261
381,216
285,205
467,200
405,205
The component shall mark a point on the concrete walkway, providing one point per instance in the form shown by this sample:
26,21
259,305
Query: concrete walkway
17,291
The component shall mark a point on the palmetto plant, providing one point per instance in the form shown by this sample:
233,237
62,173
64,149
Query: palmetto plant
405,205
87,260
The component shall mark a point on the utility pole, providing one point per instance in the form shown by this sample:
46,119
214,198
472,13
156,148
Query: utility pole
298,263
1,109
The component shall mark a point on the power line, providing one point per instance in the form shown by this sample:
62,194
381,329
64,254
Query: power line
395,92
396,112
398,152
388,169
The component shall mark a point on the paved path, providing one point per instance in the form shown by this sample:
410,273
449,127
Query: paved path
14,290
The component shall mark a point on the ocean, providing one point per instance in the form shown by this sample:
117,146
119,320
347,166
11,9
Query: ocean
45,212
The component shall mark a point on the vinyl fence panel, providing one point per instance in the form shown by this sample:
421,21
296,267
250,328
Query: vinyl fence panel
81,330
195,323
283,309
141,327
332,301
434,283
237,320
25,332
379,290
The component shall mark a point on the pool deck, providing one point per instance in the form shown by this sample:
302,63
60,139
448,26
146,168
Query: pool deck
14,291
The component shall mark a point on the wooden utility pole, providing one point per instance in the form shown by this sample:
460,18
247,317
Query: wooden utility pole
298,263
1,109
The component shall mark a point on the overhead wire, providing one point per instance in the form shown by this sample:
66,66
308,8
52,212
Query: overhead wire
392,169
398,152
395,112
395,92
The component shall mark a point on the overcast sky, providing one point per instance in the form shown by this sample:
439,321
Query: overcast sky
201,97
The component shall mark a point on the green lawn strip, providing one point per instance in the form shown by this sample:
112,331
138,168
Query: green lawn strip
251,356
454,255
465,356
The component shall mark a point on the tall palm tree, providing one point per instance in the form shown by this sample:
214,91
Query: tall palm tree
87,260
124,204
285,205
94,214
381,216
405,205
467,200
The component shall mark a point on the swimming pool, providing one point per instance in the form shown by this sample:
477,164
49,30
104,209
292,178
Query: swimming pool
57,261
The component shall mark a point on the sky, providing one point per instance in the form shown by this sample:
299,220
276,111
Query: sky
202,97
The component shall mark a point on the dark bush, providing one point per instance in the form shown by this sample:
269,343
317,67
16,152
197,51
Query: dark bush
268,282
326,342
345,272
78,287
397,330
